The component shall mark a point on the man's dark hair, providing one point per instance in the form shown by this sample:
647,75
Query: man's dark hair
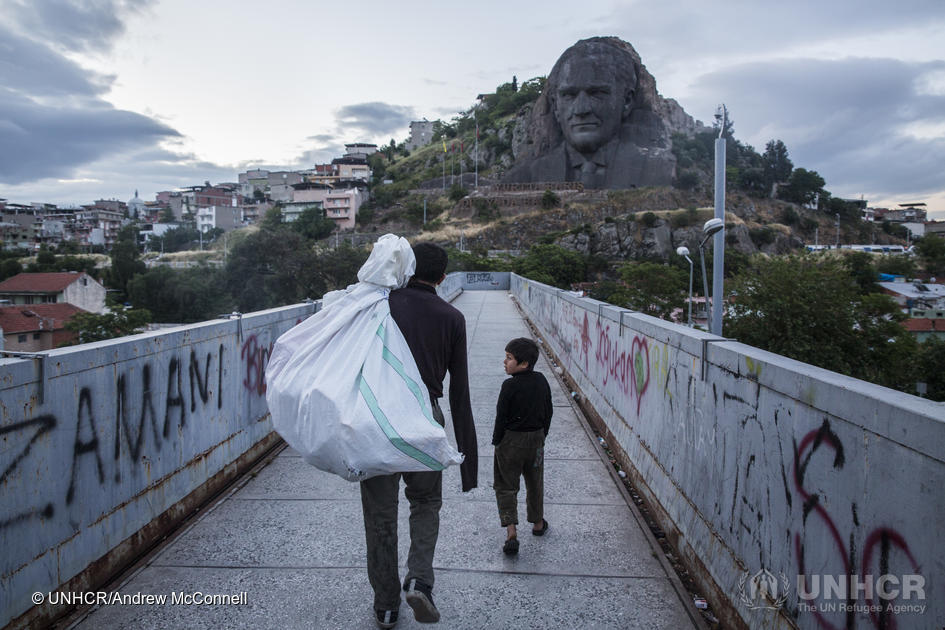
431,262
523,349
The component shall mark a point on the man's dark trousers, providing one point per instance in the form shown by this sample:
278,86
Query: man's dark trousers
424,491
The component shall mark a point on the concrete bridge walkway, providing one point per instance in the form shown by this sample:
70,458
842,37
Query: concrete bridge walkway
291,537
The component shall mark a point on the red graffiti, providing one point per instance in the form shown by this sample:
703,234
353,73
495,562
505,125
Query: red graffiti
640,351
631,371
256,358
585,341
883,536
616,364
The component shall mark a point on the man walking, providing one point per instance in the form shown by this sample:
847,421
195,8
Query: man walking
436,334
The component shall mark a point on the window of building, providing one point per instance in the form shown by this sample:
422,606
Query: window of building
21,338
35,335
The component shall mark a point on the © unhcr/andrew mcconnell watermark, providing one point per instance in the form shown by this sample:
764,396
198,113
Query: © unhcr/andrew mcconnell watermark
835,593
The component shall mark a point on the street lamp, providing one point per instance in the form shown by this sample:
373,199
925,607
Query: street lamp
708,230
684,252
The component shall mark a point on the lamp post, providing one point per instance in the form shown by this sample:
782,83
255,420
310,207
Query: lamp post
718,266
684,252
711,227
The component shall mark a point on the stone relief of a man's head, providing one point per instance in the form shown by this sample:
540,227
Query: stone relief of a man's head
592,88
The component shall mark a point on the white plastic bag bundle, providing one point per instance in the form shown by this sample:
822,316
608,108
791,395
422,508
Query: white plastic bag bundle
343,388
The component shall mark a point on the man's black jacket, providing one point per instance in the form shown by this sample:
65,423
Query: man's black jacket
436,334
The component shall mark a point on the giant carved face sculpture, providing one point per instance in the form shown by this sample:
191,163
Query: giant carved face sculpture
591,101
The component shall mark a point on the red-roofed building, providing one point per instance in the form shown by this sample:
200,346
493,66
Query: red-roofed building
36,327
72,287
926,327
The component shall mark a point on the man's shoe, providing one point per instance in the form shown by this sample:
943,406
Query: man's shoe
420,598
385,618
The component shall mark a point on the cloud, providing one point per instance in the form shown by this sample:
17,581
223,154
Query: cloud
54,121
374,119
49,141
701,29
866,125
92,25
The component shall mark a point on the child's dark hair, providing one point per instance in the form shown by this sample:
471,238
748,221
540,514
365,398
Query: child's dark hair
523,349
431,262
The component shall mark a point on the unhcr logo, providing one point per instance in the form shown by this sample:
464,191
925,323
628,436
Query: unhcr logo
763,590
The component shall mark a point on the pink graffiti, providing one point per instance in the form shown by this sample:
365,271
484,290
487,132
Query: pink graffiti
883,536
585,342
640,351
631,371
256,357
615,364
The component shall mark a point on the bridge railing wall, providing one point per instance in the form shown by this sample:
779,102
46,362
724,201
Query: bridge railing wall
104,446
754,462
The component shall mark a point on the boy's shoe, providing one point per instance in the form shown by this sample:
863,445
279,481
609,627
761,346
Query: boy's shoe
385,618
510,548
420,598
541,532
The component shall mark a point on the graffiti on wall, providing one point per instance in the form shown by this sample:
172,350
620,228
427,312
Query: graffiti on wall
825,534
825,440
255,356
150,406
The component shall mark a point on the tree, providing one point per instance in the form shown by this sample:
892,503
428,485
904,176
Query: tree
91,327
125,261
652,288
897,265
811,309
931,250
777,165
9,268
181,296
803,187
273,219
552,264
930,368
313,224
860,267
272,268
179,239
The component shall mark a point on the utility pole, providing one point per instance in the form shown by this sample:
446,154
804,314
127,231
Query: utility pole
838,230
424,210
718,256
477,146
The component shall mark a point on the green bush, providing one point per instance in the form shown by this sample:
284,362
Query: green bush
649,219
457,192
486,210
688,179
789,216
550,200
763,235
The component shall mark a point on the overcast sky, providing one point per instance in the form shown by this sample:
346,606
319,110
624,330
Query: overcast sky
99,98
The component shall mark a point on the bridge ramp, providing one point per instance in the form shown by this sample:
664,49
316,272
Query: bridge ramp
291,537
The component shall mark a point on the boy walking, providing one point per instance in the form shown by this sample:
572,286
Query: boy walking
522,418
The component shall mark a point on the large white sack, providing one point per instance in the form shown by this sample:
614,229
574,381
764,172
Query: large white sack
343,388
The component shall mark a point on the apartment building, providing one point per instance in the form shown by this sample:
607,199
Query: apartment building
421,134
67,287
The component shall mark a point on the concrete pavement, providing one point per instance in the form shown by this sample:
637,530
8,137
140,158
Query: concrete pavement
291,538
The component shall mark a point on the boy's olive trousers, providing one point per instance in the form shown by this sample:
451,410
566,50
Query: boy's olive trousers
519,454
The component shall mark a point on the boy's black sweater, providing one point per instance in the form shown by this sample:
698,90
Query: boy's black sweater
524,405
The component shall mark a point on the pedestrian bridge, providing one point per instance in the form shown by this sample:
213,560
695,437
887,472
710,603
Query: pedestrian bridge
680,466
